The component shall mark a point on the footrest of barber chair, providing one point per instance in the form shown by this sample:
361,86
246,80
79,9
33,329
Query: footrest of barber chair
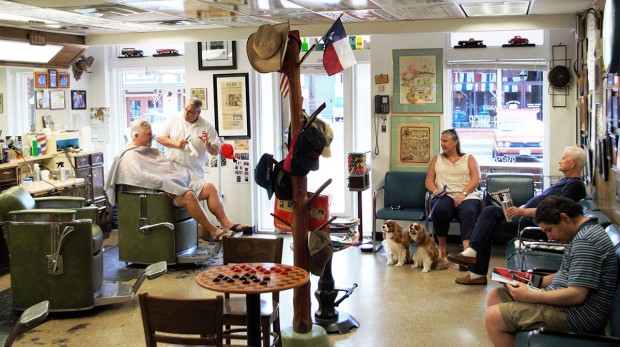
199,254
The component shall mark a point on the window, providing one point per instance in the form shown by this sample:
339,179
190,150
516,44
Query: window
153,95
498,114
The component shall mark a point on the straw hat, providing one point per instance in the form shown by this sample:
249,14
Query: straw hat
267,46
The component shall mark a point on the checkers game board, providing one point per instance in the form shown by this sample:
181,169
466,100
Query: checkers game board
252,278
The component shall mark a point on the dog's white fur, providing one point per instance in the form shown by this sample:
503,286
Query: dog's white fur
427,256
397,241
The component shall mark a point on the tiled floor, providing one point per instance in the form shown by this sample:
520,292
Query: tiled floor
395,306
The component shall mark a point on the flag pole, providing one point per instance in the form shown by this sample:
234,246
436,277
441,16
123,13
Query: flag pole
314,44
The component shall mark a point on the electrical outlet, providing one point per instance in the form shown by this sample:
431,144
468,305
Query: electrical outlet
381,88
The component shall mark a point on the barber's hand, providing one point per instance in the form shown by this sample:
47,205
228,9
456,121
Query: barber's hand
204,138
182,144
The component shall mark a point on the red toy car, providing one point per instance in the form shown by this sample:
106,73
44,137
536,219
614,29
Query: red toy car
167,51
518,40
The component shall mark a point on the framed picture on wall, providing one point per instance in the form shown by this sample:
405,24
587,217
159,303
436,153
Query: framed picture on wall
415,140
53,77
1,104
418,76
64,80
200,93
232,108
41,79
43,99
78,99
217,55
57,99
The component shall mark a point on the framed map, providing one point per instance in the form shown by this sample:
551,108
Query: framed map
415,140
418,76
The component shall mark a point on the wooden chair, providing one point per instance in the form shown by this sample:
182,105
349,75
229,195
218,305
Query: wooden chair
252,250
182,321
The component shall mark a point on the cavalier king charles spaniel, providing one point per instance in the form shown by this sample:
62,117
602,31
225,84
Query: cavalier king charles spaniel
427,256
397,241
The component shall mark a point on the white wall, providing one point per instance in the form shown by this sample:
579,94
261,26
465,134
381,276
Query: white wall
237,201
559,121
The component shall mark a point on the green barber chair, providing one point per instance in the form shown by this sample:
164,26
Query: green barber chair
54,247
152,229
57,254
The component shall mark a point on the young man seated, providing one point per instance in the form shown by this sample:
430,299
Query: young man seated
578,297
142,166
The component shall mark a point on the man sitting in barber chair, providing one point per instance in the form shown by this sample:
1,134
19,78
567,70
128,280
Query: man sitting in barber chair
142,166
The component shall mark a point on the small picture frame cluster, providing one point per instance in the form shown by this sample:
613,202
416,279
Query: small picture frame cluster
78,99
52,79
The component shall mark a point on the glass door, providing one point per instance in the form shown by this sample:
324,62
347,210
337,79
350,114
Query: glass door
318,88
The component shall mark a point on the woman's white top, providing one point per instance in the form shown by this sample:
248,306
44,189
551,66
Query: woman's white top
455,175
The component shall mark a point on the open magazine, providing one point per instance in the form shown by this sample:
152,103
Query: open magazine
513,277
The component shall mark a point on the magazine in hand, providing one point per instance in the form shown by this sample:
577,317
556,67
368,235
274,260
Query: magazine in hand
513,277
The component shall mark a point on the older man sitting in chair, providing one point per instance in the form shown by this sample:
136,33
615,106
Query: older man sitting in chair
142,166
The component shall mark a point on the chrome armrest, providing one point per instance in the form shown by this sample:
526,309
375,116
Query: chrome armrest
145,228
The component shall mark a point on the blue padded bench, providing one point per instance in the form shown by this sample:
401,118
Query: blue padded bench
403,198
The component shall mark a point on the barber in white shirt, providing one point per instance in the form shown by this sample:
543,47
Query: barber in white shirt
189,138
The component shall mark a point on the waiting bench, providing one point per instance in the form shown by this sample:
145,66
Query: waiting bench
403,198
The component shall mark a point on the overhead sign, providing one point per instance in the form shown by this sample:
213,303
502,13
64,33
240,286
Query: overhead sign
37,38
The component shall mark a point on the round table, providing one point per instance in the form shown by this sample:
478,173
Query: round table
273,277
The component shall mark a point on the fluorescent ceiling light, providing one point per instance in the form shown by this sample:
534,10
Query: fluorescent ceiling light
504,8
27,53
17,18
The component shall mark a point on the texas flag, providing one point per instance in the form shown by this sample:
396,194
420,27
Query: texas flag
338,54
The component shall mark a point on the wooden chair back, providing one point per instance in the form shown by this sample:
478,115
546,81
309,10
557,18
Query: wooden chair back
252,250
192,321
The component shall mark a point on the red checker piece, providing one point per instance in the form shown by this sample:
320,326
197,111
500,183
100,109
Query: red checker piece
266,272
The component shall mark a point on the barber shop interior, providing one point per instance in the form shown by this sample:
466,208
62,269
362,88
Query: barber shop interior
309,173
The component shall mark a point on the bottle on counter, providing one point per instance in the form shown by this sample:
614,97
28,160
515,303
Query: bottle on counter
37,173
5,151
35,148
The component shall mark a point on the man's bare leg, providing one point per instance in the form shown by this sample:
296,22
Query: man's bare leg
215,205
190,201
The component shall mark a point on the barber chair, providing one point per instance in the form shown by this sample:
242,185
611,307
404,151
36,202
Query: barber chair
152,229
57,253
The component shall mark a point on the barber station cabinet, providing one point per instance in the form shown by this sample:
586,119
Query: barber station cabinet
90,167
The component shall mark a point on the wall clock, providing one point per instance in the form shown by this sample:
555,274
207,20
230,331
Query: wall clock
611,37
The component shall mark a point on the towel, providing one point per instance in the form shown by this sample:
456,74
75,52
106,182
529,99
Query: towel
147,167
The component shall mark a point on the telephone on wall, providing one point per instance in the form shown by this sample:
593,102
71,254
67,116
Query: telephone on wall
382,104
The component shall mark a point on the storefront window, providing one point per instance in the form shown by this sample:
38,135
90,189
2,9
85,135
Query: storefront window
498,114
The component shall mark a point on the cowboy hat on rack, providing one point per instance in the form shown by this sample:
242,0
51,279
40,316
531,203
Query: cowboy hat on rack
267,46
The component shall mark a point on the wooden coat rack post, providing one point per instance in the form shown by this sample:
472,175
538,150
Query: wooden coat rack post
302,320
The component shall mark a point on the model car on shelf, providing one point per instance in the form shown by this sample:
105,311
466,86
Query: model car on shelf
471,43
132,53
518,40
166,51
